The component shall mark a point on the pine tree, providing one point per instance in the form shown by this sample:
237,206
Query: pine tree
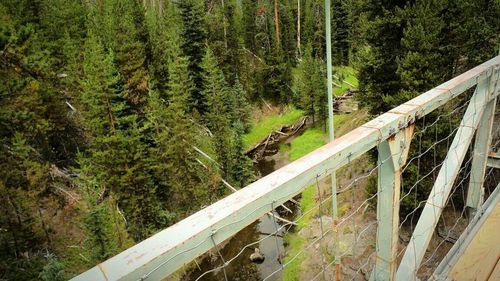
378,79
242,173
101,89
241,106
163,29
102,222
249,9
118,146
126,34
341,28
222,37
309,84
181,178
218,116
314,31
193,37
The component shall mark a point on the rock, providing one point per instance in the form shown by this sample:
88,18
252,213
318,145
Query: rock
257,257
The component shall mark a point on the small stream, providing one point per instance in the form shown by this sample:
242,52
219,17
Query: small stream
271,247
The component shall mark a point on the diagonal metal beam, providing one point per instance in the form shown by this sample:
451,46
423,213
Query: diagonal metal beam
444,182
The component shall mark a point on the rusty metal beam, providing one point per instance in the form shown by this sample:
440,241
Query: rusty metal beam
170,249
493,160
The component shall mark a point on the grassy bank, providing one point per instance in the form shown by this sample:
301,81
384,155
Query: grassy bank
265,124
345,73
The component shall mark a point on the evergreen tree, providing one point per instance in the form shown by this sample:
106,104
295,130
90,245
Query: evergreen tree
249,9
314,31
341,27
222,37
378,79
125,32
118,145
105,232
193,37
163,29
242,173
310,85
218,116
182,180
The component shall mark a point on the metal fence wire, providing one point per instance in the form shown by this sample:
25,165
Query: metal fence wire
406,192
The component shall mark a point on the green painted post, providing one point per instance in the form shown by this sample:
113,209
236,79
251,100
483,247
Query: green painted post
392,155
482,144
331,133
475,194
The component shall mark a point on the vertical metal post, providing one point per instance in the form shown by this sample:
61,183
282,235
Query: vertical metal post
475,194
331,134
392,154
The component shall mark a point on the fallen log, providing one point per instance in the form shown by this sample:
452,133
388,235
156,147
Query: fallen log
275,137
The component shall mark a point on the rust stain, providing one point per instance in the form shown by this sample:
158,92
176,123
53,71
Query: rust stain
140,256
103,270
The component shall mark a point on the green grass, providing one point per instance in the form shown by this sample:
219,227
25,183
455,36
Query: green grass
348,74
307,142
297,242
311,139
262,127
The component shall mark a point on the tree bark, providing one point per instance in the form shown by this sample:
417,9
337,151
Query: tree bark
224,23
298,29
276,22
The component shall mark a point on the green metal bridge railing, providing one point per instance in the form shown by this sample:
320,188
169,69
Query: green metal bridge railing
391,133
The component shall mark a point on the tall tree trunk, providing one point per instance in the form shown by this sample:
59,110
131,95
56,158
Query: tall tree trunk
298,29
276,22
224,23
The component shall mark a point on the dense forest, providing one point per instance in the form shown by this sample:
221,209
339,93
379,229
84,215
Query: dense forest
120,117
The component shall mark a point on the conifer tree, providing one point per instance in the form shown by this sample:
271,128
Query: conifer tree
341,27
218,116
180,176
118,145
193,36
126,34
377,75
310,86
104,232
249,9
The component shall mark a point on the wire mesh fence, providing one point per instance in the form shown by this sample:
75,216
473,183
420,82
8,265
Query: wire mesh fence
346,248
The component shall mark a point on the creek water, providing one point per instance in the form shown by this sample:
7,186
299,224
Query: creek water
271,246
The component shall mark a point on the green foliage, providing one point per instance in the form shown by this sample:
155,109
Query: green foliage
126,34
341,27
310,86
53,270
261,127
193,35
